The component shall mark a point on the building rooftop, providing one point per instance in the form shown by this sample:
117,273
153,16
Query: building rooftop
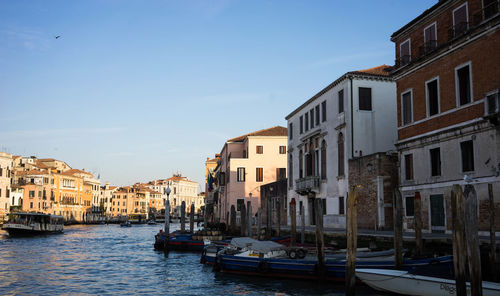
418,18
276,131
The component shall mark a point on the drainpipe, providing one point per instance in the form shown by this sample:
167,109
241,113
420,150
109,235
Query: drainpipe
352,120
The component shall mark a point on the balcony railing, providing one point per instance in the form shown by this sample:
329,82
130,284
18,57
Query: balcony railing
458,30
428,47
307,184
486,13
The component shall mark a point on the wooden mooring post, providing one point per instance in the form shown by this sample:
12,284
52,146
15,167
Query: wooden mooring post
191,219
278,216
472,240
183,216
459,249
398,228
303,225
493,253
419,244
243,215
249,218
352,241
167,217
259,222
233,219
293,222
269,217
320,239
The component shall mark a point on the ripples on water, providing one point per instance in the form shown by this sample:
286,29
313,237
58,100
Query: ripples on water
111,260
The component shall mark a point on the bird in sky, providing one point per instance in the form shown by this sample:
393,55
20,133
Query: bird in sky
57,36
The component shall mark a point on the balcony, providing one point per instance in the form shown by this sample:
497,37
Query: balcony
485,14
306,185
428,47
458,30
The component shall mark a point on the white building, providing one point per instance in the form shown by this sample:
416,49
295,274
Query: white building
181,189
353,116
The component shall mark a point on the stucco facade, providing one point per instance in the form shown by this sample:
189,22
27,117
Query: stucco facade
6,164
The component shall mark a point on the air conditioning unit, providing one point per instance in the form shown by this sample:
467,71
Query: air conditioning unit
492,103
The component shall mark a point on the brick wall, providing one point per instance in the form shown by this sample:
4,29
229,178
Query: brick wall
364,171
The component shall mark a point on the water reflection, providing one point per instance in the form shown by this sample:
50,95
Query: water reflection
114,260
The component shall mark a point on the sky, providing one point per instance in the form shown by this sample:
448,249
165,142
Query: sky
137,90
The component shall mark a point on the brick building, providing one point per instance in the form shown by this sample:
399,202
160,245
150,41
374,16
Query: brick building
448,83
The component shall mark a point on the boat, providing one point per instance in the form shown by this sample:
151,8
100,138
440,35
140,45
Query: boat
126,224
271,259
404,282
151,222
26,224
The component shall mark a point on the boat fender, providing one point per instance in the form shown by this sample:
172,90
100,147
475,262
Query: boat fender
301,253
217,264
263,267
293,254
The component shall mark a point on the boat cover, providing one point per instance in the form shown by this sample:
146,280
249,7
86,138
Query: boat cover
256,245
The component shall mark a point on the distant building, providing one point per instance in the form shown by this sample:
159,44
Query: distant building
448,100
353,116
6,165
246,163
181,189
106,199
210,194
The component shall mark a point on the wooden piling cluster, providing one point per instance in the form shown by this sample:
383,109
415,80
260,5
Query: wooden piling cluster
183,216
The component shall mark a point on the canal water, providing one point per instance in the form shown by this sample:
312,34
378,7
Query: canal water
114,260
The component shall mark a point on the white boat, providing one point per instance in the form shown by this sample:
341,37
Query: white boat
24,224
402,282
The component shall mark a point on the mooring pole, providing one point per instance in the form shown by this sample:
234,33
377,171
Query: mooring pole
269,230
472,238
459,248
303,225
249,218
233,219
278,216
259,222
183,217
419,245
493,253
352,240
191,219
320,243
293,221
398,229
243,214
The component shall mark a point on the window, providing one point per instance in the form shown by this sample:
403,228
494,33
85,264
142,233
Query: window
323,160
39,193
290,170
432,92
410,207
406,105
341,101
341,205
259,174
311,112
340,151
409,167
467,149
259,149
317,115
282,149
430,38
240,202
307,121
31,205
280,173
301,124
323,111
324,206
463,84
240,175
490,8
365,98
435,162
290,131
460,20
301,164
405,52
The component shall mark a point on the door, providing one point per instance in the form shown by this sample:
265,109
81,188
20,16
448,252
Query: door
312,212
437,213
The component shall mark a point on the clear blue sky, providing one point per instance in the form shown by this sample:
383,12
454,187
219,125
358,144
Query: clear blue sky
138,90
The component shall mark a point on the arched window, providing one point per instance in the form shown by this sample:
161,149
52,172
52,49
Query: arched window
301,164
341,154
310,160
323,160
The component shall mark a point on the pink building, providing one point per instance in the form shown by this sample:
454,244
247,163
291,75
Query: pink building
246,163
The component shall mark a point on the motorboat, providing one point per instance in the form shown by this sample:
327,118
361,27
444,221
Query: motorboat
25,224
404,282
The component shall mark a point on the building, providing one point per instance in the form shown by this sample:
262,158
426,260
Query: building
211,195
181,189
448,107
353,116
6,165
246,163
106,199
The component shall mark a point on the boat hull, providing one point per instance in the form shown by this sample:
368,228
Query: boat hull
396,281
22,230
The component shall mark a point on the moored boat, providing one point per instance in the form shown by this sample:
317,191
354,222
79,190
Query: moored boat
26,224
403,282
126,224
